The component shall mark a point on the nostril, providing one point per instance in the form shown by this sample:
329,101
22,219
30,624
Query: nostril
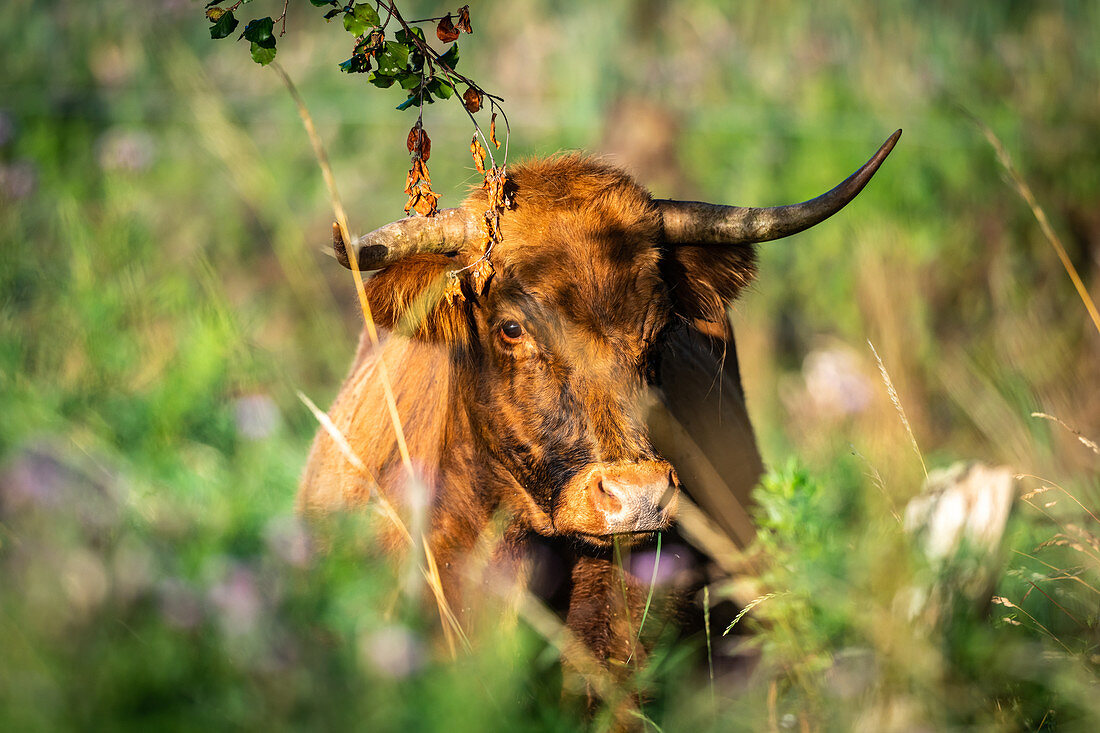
600,487
603,493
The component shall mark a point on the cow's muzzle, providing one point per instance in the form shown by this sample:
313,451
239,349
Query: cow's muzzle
626,499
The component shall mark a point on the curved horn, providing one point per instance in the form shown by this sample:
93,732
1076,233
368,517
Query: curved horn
447,231
695,222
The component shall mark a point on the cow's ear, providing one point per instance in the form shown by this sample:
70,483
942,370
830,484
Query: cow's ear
704,279
409,297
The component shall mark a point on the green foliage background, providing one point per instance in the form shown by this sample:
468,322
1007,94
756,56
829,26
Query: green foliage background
163,287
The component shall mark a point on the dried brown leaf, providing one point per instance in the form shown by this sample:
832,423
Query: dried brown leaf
478,153
495,179
490,229
464,19
480,274
472,99
376,43
493,130
418,184
419,143
426,206
417,173
446,30
453,290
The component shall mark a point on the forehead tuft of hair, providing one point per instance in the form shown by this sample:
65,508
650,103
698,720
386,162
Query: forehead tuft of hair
572,195
584,239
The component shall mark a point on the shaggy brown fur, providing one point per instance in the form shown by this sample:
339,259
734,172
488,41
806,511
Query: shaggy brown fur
501,426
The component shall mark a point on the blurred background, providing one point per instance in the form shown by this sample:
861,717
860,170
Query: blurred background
165,291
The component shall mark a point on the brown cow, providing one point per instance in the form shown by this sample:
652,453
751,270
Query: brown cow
530,401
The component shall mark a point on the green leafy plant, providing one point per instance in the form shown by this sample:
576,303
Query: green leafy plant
401,57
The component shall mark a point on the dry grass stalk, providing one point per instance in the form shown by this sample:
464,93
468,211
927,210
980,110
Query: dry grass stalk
448,620
773,708
1065,574
1053,485
384,506
710,649
1002,601
1091,445
1024,190
748,607
648,600
342,221
897,406
547,624
880,484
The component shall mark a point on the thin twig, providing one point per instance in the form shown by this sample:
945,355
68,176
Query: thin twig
283,18
432,58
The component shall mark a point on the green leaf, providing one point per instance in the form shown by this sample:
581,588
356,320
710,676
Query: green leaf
440,87
322,3
367,14
450,59
417,98
380,80
399,52
361,18
408,80
353,25
333,13
214,2
357,64
259,32
263,55
394,59
405,37
223,26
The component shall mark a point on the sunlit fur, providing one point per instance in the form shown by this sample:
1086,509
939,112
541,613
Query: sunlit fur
499,428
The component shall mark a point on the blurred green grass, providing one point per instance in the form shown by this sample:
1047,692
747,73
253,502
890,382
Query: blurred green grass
163,294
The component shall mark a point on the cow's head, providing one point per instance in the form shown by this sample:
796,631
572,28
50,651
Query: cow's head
559,348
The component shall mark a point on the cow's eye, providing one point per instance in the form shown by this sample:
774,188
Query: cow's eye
511,331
